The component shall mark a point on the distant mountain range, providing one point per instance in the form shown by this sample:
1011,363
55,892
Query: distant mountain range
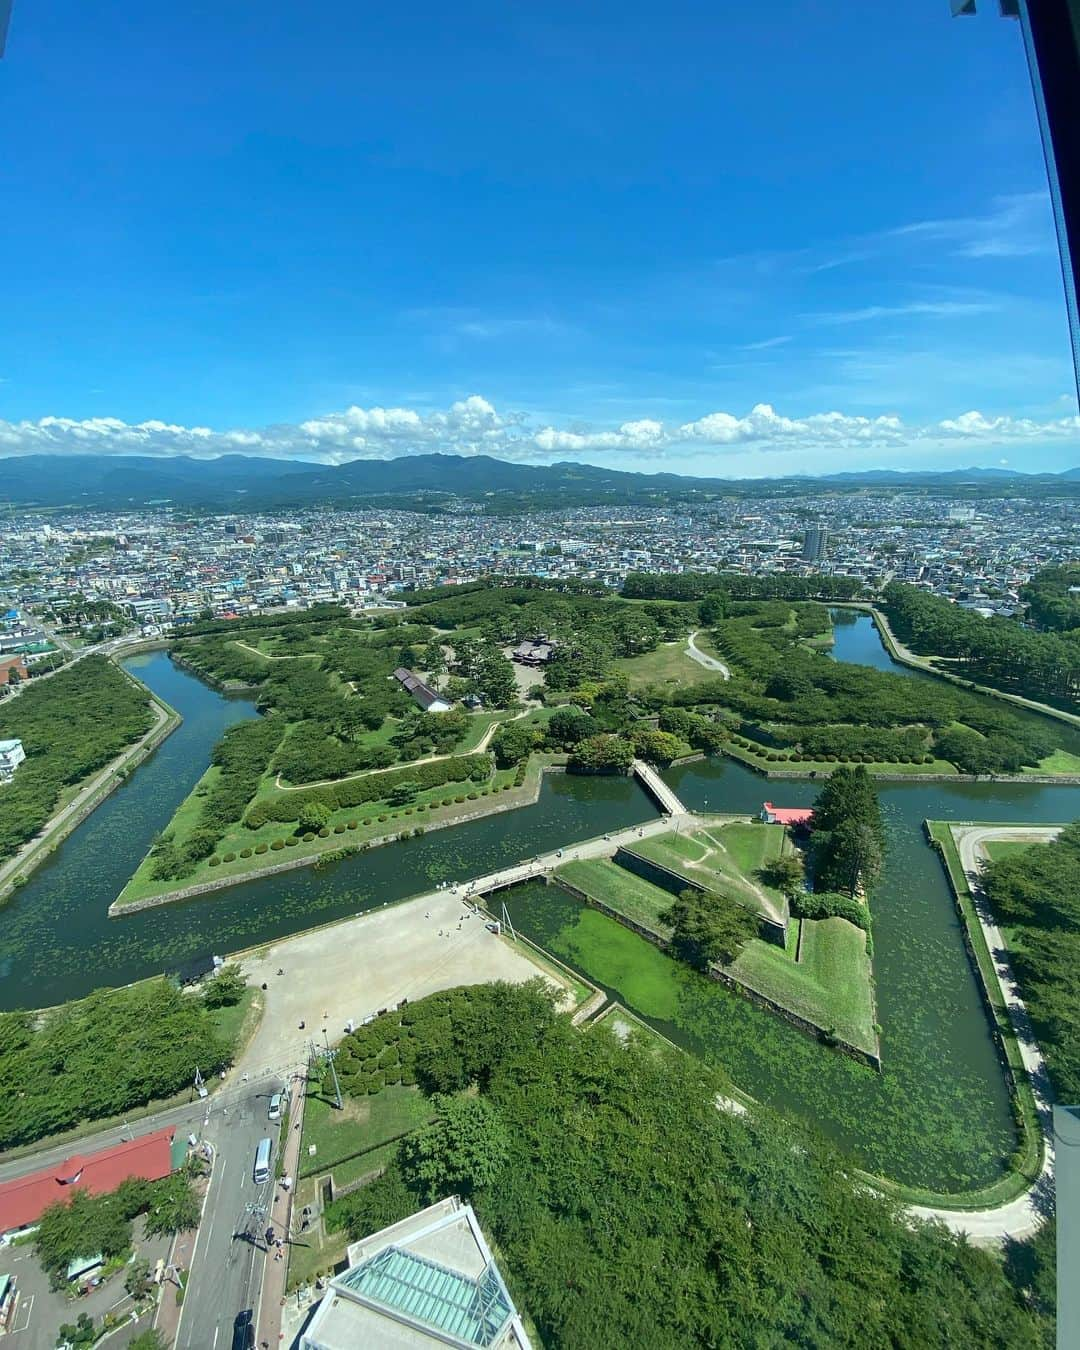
431,482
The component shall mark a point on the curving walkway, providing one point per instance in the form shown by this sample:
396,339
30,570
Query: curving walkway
1020,1217
695,653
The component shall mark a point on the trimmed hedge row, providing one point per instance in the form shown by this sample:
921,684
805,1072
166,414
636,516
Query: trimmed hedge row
286,806
830,905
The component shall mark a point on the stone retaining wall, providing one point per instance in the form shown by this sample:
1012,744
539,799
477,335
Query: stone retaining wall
871,1060
593,903
529,796
732,982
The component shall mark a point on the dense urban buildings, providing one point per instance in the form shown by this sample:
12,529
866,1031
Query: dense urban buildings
103,573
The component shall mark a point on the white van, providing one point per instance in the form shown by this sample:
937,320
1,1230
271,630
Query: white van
274,1112
261,1172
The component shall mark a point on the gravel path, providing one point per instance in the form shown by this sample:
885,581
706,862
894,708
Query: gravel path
695,653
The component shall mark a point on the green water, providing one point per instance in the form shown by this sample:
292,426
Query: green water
939,1115
57,943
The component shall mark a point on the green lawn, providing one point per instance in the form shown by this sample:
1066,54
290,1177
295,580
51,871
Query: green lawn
366,1126
1002,848
237,1024
668,664
622,890
1061,761
723,857
619,959
421,813
363,1123
830,984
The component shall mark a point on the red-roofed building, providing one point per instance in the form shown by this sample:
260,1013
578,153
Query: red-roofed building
794,817
22,1202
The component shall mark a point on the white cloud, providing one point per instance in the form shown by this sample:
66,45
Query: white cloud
474,425
941,309
1016,226
780,341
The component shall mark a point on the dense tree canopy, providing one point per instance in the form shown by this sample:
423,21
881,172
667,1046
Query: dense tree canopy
797,704
1001,651
102,1055
486,672
737,586
607,754
848,840
87,1225
1053,598
628,1210
71,725
707,928
1035,895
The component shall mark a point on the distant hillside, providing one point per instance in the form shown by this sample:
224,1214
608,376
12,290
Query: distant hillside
236,482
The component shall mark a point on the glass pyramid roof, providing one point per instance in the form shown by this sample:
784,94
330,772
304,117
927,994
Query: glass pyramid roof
474,1311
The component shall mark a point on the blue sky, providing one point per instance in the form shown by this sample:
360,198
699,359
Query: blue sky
730,239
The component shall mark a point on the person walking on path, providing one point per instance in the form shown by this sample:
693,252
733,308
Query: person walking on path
273,1286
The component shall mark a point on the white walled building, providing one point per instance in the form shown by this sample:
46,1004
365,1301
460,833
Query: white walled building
12,755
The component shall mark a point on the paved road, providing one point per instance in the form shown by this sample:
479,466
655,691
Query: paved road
224,1271
225,1268
269,1312
1020,1217
695,653
188,1118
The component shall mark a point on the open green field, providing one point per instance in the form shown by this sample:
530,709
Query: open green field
363,1123
1061,761
627,894
667,665
726,857
830,985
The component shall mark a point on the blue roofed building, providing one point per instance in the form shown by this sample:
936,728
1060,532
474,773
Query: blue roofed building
426,1281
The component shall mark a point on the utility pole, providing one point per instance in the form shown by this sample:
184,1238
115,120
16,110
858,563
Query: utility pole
333,1073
